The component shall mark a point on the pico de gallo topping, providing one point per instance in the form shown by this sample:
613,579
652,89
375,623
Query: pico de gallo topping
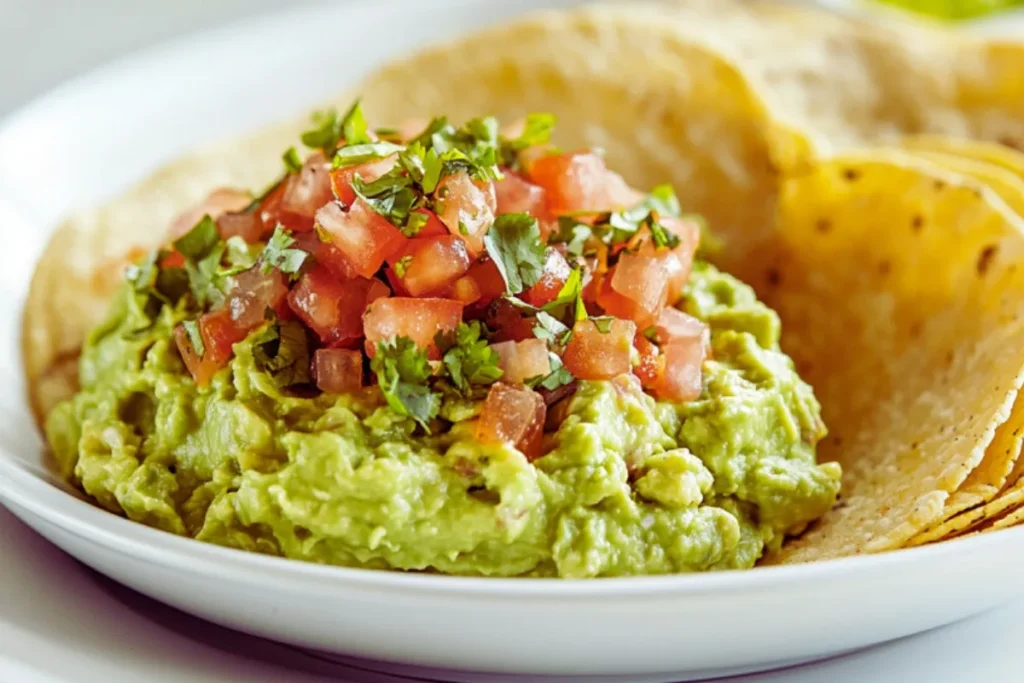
437,261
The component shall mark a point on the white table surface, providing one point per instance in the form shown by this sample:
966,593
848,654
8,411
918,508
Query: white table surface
62,623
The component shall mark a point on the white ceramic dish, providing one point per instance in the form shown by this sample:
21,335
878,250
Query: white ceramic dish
91,137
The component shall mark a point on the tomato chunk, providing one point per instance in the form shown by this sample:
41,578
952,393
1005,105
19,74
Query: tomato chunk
642,278
681,378
507,322
593,354
513,414
326,254
338,371
515,194
674,325
488,280
272,213
466,207
252,293
465,289
546,289
309,189
341,178
201,369
652,364
418,319
435,263
581,182
333,308
522,360
217,203
244,224
364,236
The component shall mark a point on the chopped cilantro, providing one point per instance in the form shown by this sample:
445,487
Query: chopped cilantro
402,372
194,337
568,306
391,195
325,133
468,359
551,329
402,265
559,375
515,246
202,249
292,162
239,254
279,253
574,234
536,131
350,155
353,125
166,285
414,223
281,349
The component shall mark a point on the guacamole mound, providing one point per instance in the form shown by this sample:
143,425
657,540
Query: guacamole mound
627,486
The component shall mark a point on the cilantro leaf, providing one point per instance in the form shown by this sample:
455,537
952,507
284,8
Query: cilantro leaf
536,131
194,337
551,329
281,349
166,285
350,155
402,372
559,375
568,306
468,359
514,245
574,234
203,249
239,254
391,195
353,125
292,162
402,265
279,253
325,133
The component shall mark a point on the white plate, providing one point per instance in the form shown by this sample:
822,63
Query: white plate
90,138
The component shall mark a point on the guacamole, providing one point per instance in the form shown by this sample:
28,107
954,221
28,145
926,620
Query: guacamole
626,485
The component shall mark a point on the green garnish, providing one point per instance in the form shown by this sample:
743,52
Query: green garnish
279,253
353,125
392,196
402,372
350,155
402,265
536,131
617,227
202,249
568,306
292,162
468,360
515,246
165,285
558,376
603,323
325,133
194,337
281,349
551,329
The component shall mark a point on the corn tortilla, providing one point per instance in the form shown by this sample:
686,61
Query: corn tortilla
980,150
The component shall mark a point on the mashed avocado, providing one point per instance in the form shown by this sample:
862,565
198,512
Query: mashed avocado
627,486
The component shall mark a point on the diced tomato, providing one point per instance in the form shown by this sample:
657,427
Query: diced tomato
244,224
513,414
681,379
418,319
376,290
217,203
436,263
309,189
507,322
220,332
675,326
488,280
514,194
679,261
173,260
341,178
338,371
433,227
465,289
201,369
466,207
593,354
326,254
652,363
364,236
333,308
613,303
546,289
273,213
397,286
252,293
581,182
522,360
642,278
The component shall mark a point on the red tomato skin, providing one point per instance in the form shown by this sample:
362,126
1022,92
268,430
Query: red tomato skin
581,181
513,414
341,178
592,354
507,322
201,369
436,262
308,189
522,360
488,280
332,308
365,237
420,319
652,363
466,207
272,214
